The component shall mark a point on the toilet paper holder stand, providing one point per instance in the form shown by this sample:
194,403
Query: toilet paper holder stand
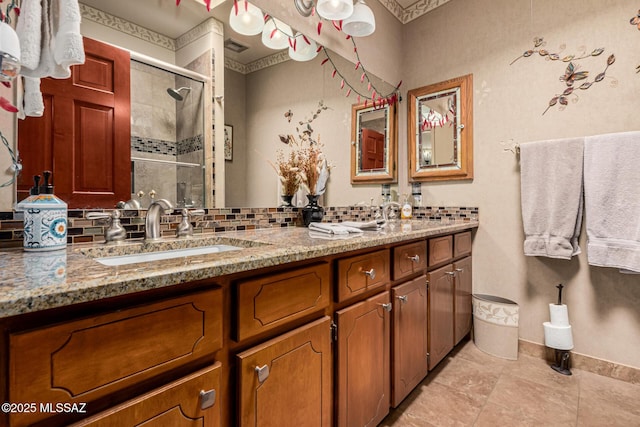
562,357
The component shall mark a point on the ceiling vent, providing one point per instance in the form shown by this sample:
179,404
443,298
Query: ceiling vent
235,46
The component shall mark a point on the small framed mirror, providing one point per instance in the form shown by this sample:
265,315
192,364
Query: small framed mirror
440,131
373,144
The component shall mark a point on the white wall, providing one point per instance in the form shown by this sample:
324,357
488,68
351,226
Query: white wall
483,37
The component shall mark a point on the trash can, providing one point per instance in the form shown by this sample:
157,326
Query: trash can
495,326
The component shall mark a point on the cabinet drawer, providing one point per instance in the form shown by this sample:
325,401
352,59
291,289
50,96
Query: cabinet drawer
272,300
362,273
177,404
89,358
462,244
440,250
287,381
409,259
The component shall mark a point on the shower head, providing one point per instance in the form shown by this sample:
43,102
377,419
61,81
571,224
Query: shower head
175,93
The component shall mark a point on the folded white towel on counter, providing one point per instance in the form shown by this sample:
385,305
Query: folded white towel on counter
328,236
612,200
551,196
331,228
369,225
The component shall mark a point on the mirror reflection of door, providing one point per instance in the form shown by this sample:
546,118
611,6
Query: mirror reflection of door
372,150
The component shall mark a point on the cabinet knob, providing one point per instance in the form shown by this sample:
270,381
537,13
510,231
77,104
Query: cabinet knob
263,373
415,258
451,273
386,307
207,399
403,298
371,273
459,270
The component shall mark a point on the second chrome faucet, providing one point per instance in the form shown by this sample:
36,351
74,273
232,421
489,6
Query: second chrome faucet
152,221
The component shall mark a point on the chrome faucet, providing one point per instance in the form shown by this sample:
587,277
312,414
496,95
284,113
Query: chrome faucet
388,213
152,222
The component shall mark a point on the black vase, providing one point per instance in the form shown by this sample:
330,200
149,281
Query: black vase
286,201
312,212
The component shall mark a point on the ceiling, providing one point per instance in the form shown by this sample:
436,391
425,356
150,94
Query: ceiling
164,17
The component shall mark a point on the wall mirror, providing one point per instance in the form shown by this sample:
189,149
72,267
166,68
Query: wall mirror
260,85
373,144
440,131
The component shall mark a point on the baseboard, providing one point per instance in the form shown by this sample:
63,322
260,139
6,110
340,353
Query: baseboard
586,363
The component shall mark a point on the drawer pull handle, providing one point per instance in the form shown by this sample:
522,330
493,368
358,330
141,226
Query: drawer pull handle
403,298
207,399
263,373
459,270
371,273
386,307
451,273
415,258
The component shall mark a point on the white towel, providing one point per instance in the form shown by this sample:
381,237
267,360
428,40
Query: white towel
325,236
330,228
28,29
551,196
32,100
46,65
369,225
612,200
67,45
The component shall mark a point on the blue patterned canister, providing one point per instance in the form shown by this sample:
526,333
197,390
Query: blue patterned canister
45,222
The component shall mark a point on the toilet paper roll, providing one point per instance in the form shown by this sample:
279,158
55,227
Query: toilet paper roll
558,337
559,314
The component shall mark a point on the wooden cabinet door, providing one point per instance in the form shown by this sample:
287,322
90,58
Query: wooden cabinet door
178,404
441,287
287,381
410,332
91,358
363,362
463,288
84,136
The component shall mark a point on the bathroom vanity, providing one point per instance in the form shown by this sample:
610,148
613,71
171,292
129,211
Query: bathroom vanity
287,330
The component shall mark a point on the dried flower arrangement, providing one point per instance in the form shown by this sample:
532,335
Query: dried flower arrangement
305,164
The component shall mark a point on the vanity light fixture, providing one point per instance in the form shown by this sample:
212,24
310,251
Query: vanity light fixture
9,53
245,18
302,48
276,34
334,10
361,23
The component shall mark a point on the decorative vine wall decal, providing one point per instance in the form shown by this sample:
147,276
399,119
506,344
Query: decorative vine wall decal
636,21
571,73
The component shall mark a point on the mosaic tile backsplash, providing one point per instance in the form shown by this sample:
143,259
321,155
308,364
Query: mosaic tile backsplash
82,230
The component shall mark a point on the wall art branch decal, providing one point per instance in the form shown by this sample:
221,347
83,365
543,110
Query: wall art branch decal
572,73
636,21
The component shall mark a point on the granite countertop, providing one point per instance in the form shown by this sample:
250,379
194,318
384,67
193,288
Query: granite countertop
35,281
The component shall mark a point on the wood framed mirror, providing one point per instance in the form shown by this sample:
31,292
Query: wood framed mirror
373,144
440,131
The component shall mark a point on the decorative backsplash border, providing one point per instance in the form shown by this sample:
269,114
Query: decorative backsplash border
83,230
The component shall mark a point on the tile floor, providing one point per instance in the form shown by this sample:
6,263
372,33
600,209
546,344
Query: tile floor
472,388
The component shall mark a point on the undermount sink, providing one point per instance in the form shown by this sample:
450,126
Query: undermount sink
164,255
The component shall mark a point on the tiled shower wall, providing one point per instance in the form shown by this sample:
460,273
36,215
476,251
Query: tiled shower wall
82,230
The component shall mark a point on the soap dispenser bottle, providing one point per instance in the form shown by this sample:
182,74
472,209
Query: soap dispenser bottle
45,217
407,210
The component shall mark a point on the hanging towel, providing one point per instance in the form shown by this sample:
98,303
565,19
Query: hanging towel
551,196
67,45
46,66
33,102
29,33
612,200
